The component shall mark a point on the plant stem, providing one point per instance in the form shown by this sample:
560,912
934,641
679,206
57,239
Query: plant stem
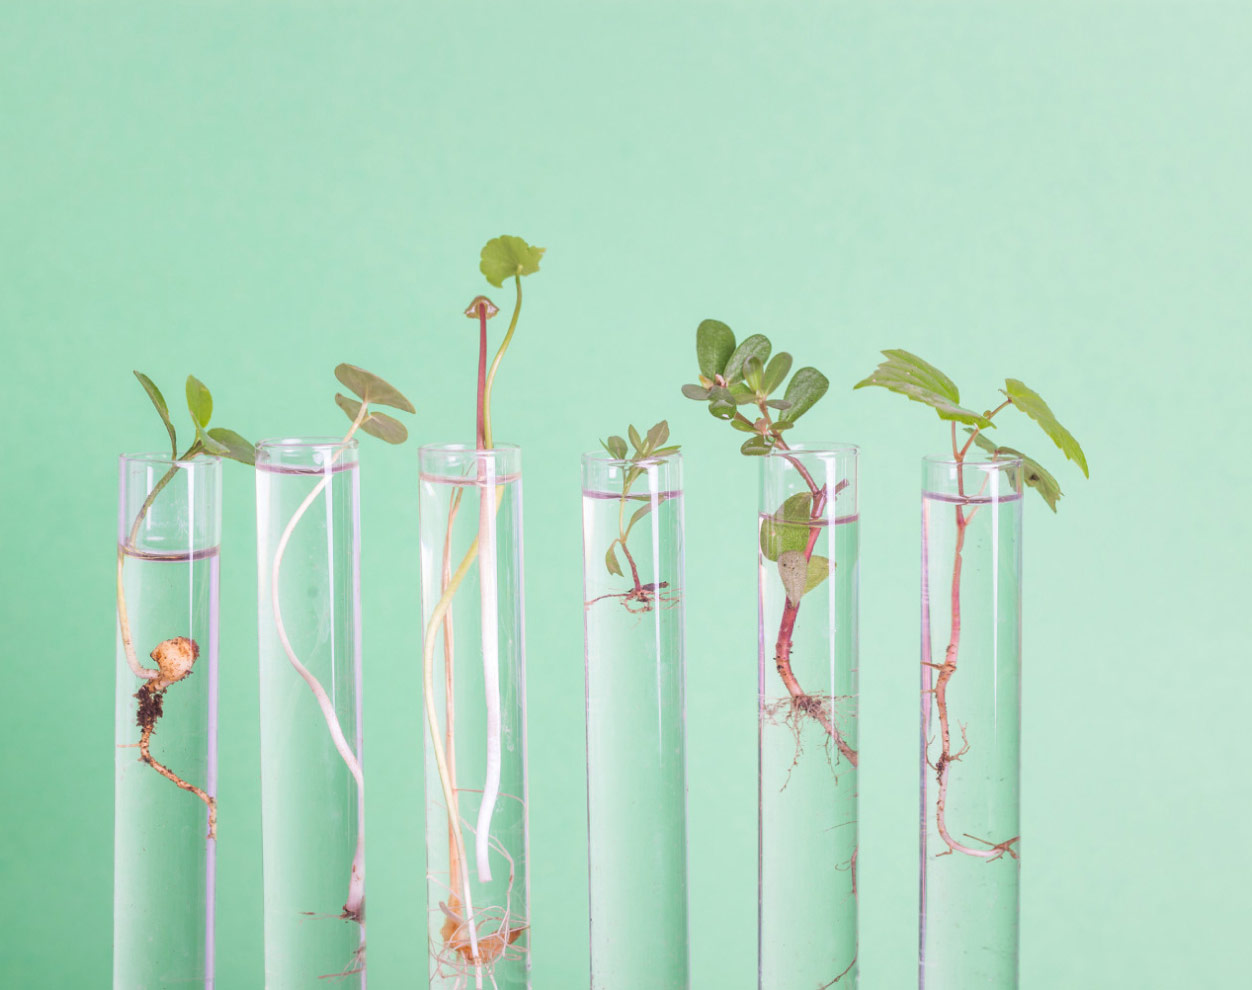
947,669
491,376
354,906
128,645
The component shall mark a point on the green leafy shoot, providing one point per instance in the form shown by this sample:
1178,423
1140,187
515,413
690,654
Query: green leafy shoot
750,374
920,381
217,442
502,257
373,391
646,448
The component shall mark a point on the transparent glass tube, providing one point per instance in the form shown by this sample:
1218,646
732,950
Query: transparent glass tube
312,795
807,553
165,771
971,718
636,769
473,668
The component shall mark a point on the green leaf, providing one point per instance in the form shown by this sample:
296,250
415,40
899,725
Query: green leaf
788,528
757,345
610,561
237,448
753,371
385,427
793,569
776,372
162,409
806,386
635,439
376,424
371,388
778,404
755,446
742,393
616,447
209,445
695,392
666,451
721,404
1029,402
1033,473
910,376
715,342
199,402
657,435
743,426
506,256
818,571
638,514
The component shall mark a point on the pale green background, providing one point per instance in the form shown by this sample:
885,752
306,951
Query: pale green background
255,192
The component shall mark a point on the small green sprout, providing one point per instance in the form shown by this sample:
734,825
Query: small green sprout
642,597
174,657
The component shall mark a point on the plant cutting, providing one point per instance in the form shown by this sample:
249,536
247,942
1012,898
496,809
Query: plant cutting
641,597
324,593
807,546
746,376
480,901
632,526
176,656
970,670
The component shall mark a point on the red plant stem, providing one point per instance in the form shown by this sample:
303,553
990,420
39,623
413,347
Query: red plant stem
943,765
480,431
782,647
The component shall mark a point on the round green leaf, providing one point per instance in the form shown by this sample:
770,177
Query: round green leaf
371,388
505,256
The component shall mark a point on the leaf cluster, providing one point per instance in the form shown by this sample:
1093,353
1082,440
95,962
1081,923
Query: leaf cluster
646,447
218,441
910,376
745,374
372,391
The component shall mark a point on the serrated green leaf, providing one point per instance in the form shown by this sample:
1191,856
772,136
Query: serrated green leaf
162,409
199,402
1029,402
372,389
715,342
910,376
788,528
616,446
757,345
775,372
753,372
806,386
793,569
1034,474
505,256
237,448
695,392
755,446
610,561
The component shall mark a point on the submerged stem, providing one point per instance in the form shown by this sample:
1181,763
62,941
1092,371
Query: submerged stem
354,906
